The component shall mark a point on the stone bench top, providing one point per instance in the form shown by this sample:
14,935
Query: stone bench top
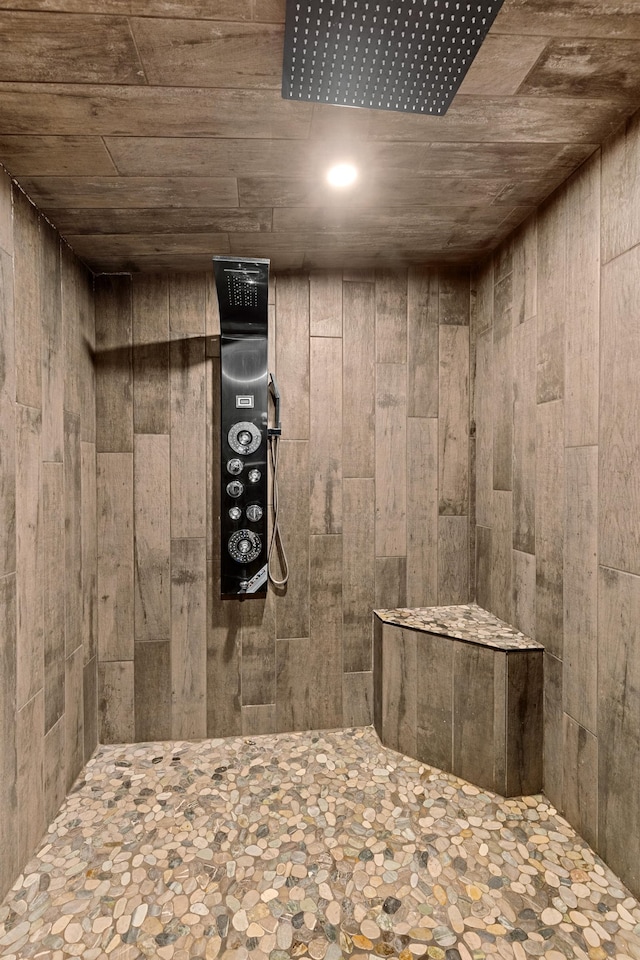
466,621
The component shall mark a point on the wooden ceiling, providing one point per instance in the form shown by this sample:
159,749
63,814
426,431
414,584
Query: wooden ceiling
153,135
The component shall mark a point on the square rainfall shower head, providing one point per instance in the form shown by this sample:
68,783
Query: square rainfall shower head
406,55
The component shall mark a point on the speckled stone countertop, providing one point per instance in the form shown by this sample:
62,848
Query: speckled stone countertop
466,621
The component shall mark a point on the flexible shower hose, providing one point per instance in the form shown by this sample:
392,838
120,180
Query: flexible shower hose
276,536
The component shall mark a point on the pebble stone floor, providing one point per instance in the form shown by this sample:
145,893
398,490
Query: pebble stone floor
321,845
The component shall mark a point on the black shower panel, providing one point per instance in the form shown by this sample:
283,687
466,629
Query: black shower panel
243,287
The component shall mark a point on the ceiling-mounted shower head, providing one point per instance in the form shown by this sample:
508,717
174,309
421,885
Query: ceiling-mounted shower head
405,55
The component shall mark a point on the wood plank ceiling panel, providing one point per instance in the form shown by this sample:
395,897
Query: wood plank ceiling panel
153,134
265,11
72,49
197,53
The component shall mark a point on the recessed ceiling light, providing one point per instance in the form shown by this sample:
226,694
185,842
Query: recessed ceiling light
342,175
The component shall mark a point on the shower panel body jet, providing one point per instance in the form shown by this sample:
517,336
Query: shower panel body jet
243,286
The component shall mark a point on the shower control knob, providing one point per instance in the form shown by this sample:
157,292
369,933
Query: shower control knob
235,513
235,466
254,476
254,512
244,546
244,438
235,488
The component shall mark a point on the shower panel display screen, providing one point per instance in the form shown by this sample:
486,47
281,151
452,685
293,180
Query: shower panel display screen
243,287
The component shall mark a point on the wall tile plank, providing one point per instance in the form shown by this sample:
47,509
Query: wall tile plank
358,582
152,690
187,303
453,422
10,862
524,722
553,778
453,560
582,314
188,639
502,556
325,304
188,439
422,342
86,349
524,593
223,659
484,405
74,716
391,459
581,780
619,432
150,354
116,699
53,588
621,191
7,416
453,299
391,316
53,356
294,684
90,703
473,712
552,297
619,723
258,617
422,509
549,528
292,613
55,786
115,556
399,704
28,554
435,700
258,719
326,435
73,532
503,384
151,509
580,592
358,357
28,302
30,778
525,272
6,216
325,608
89,541
357,699
114,371
292,353
75,351
524,437
391,582
484,567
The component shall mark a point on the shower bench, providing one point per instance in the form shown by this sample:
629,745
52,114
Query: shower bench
458,689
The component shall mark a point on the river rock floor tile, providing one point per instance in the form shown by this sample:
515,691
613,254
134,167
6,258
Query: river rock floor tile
321,845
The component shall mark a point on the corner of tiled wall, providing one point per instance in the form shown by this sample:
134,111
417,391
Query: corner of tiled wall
48,694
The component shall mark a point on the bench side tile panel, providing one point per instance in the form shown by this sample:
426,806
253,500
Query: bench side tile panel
434,700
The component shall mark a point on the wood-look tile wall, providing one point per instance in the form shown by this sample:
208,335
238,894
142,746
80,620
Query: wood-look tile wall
374,488
556,351
48,567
